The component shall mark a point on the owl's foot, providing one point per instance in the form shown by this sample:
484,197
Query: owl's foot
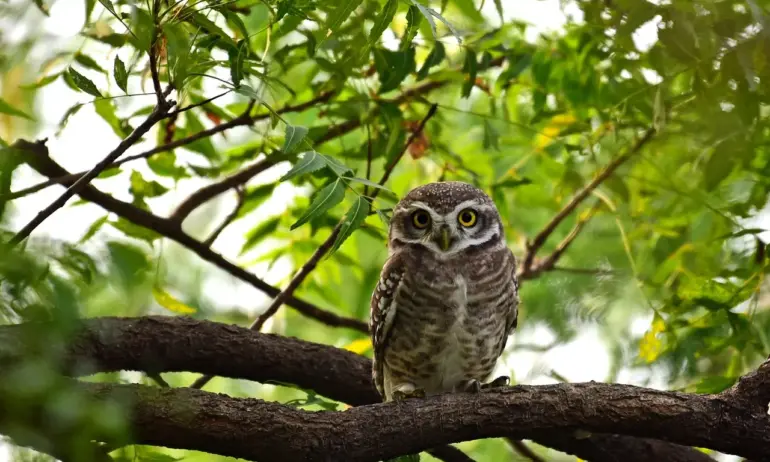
502,381
471,386
474,386
406,391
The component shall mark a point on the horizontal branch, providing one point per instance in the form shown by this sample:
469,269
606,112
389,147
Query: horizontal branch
548,415
39,160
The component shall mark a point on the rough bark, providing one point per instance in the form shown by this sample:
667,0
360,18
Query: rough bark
733,422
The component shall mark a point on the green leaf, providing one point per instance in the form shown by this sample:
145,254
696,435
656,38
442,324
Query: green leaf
352,221
142,188
42,82
337,167
83,83
6,108
254,197
88,62
164,164
120,74
208,25
42,7
382,21
393,67
340,13
371,184
437,54
106,110
135,231
108,5
309,162
429,14
329,196
294,136
499,8
719,165
470,67
491,137
256,235
92,230
413,18
237,57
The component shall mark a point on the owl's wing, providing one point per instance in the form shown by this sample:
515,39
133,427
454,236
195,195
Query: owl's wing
383,312
512,312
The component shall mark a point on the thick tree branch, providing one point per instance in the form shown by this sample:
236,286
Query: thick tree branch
43,164
535,244
176,344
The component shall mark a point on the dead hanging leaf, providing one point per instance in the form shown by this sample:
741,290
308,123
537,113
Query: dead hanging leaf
419,146
213,117
169,129
482,85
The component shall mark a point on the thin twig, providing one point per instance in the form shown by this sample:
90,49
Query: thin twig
389,169
207,193
524,450
157,114
368,158
153,52
229,219
46,166
549,262
244,119
287,292
577,199
204,102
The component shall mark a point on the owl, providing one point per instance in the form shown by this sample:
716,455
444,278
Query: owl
447,298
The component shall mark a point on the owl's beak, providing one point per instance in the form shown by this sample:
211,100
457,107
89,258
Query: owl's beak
443,238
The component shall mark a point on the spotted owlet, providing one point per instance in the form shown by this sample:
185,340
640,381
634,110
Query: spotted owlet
447,298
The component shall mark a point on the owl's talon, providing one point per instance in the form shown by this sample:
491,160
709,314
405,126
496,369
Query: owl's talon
472,386
502,381
408,392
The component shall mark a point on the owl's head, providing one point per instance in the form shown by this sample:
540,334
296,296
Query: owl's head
446,218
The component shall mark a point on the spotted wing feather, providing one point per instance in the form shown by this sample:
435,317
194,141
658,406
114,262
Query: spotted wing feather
383,312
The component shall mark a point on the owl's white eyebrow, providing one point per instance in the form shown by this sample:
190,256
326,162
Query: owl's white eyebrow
471,203
423,206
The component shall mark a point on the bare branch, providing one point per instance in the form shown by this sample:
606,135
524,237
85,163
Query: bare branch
157,114
229,219
43,164
549,262
202,103
547,414
534,246
207,193
390,167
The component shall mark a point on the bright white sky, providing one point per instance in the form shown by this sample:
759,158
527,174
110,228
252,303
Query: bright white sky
87,138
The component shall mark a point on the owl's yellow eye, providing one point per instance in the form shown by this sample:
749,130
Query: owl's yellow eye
467,218
421,219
